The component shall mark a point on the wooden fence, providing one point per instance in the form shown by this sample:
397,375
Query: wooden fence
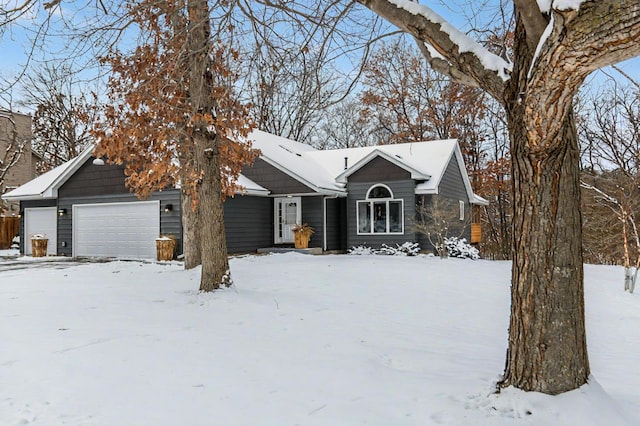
9,228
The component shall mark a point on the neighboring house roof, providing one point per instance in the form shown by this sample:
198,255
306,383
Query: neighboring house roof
324,170
47,184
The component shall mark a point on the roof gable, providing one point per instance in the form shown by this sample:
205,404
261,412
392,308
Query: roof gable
394,159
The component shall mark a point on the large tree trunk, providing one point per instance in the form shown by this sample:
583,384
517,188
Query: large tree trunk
547,343
213,246
213,243
190,232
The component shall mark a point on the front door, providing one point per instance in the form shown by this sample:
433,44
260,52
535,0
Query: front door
287,213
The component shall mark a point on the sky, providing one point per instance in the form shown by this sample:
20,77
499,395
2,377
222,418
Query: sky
15,44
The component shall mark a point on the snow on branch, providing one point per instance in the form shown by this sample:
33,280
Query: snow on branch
464,42
449,50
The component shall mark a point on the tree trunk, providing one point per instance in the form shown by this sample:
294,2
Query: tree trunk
191,232
547,343
213,243
213,246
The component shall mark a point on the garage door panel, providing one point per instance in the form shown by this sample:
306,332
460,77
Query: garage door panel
41,220
116,229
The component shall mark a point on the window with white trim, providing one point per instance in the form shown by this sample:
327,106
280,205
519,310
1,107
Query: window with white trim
461,210
380,213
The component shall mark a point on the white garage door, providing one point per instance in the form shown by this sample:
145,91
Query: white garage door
41,220
116,229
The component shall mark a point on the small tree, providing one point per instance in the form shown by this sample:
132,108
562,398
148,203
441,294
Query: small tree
439,218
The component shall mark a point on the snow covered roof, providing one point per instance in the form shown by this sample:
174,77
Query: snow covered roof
324,170
47,185
249,187
295,159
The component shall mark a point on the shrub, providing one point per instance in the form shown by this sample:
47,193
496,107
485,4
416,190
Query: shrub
458,247
406,249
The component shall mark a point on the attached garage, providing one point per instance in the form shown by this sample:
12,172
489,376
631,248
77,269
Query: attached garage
116,229
43,221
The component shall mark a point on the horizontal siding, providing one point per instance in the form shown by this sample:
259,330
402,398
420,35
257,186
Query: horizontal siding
312,214
452,187
92,180
336,223
457,228
403,189
248,223
276,181
379,170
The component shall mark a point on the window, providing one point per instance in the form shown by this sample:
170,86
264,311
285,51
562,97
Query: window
461,210
380,213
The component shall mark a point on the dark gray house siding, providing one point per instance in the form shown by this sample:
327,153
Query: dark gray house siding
312,215
451,188
248,223
278,182
379,170
28,205
336,223
170,222
93,184
403,187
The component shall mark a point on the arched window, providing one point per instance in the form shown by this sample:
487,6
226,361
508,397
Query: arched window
380,213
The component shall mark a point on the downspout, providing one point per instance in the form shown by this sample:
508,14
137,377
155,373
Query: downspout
324,221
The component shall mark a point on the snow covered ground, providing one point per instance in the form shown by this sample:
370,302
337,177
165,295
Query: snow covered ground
300,340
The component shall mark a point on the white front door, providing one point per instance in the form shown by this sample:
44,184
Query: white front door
43,221
287,213
125,230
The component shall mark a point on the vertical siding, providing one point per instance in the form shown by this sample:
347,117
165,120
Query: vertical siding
402,189
248,223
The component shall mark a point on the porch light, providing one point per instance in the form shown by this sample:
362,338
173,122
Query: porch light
62,212
168,208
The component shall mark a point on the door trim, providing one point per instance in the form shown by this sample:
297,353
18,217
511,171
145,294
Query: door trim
278,224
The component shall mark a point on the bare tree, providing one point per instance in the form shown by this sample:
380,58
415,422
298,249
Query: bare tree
343,127
439,218
64,113
536,85
14,145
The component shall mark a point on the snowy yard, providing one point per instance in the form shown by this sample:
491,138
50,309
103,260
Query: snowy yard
301,340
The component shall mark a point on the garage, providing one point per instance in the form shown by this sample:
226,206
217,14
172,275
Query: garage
43,221
125,230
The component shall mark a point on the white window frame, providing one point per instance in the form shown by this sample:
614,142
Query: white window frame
461,210
371,202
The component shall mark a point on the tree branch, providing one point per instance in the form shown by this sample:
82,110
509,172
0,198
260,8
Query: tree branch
599,33
450,51
535,22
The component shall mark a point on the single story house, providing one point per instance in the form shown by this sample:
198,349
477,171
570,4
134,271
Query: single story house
354,196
